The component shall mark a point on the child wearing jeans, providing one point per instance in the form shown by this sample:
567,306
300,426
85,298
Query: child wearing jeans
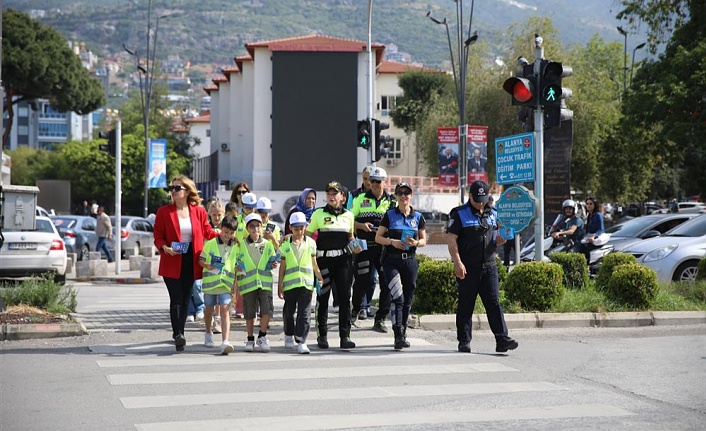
218,261
255,261
296,282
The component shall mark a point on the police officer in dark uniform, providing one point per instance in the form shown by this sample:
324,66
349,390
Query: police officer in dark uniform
402,231
472,239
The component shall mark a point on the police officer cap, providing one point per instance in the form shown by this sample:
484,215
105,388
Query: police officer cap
251,217
480,192
297,219
378,174
249,200
403,186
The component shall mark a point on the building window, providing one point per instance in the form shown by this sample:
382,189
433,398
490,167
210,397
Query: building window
208,133
58,130
49,112
396,151
387,104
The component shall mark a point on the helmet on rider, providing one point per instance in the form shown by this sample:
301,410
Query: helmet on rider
569,203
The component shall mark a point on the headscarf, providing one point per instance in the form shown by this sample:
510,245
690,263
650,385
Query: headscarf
301,203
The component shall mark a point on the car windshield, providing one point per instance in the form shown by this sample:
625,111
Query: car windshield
67,223
44,226
692,228
631,228
123,221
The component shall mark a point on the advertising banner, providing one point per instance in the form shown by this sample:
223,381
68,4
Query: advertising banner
477,153
158,163
448,139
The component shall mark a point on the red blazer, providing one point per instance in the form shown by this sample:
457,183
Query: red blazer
166,230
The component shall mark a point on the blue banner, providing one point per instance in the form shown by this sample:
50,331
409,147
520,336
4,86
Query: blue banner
158,163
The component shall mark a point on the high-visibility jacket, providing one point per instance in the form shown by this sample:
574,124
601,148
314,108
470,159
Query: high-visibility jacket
218,282
241,232
256,276
298,273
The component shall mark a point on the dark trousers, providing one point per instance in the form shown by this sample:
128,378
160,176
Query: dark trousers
483,282
365,261
402,274
103,246
338,273
180,293
299,300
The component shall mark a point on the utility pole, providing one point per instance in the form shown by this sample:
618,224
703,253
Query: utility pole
539,152
371,81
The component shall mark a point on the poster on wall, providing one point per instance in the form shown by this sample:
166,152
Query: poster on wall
448,139
477,151
158,163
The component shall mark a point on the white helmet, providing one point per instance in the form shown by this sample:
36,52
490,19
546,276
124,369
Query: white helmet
569,203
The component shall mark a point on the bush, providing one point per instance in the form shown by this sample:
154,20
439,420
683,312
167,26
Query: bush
502,271
535,285
701,270
436,291
575,269
42,293
610,261
633,284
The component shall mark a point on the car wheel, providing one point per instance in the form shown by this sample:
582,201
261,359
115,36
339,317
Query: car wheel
60,279
686,271
85,252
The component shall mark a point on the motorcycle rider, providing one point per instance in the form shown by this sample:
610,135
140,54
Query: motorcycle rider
569,226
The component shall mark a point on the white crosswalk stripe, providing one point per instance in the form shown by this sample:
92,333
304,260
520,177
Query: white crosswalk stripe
363,387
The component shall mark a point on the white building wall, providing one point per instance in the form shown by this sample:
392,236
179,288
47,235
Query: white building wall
244,118
387,85
262,115
199,131
215,121
224,144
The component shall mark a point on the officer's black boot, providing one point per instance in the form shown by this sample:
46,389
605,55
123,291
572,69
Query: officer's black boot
322,341
404,336
399,337
346,342
379,326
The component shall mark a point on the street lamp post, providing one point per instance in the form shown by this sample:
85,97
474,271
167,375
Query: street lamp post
625,56
632,64
463,46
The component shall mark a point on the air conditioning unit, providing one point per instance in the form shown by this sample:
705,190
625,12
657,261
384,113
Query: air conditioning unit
391,162
225,146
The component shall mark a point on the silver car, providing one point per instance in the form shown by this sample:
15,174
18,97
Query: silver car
135,232
645,227
79,233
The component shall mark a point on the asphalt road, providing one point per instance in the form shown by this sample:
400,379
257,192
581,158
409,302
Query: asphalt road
126,375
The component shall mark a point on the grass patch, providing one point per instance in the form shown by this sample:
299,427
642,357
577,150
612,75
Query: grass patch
42,293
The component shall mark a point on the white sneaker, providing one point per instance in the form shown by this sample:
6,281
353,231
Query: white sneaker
263,344
249,346
199,315
334,309
226,348
288,341
189,318
208,340
303,349
232,311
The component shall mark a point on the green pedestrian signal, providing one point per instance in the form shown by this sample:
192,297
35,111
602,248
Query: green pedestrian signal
551,94
364,134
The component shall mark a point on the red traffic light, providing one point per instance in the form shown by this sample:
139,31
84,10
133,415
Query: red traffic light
521,90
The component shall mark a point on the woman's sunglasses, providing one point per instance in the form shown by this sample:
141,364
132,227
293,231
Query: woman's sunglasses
241,192
174,188
403,193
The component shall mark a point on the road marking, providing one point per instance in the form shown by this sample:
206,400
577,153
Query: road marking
336,394
298,374
392,419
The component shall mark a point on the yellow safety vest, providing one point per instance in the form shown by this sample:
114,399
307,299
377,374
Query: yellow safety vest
256,276
218,282
298,274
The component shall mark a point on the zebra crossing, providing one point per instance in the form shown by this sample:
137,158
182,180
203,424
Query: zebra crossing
426,387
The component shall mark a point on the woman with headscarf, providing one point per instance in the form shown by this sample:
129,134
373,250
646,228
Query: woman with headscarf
305,204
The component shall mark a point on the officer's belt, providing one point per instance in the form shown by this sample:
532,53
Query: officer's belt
330,253
401,255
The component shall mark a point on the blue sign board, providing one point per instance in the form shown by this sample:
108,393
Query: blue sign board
516,208
158,163
514,159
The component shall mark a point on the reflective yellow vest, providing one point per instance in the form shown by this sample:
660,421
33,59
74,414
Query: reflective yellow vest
256,276
218,282
241,233
298,274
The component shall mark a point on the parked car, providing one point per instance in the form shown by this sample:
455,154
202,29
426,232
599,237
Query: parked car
42,212
33,253
79,234
135,232
644,227
676,254
688,208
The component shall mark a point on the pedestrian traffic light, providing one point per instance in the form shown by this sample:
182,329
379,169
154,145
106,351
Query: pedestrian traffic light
554,95
110,146
522,87
378,127
364,134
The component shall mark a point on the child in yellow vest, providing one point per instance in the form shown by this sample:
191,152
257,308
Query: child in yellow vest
218,261
216,213
296,282
255,260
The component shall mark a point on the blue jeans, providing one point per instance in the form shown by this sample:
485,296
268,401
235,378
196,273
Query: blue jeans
195,304
103,246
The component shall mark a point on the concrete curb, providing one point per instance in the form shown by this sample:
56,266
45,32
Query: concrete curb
118,280
12,332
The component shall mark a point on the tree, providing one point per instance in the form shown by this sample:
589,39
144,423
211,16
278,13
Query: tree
38,63
662,17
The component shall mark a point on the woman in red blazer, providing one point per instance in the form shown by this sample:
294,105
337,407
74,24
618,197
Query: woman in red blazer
181,224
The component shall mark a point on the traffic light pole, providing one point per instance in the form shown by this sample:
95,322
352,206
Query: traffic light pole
539,154
371,92
118,194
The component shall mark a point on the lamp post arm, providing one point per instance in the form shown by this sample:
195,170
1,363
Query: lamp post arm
453,65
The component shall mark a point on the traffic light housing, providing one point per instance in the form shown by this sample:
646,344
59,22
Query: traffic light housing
110,146
522,87
364,134
554,94
378,149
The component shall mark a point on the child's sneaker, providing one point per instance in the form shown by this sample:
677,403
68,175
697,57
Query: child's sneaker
208,340
263,344
288,341
216,325
226,348
249,346
303,349
189,318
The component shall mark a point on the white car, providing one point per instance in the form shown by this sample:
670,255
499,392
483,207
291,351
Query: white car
33,253
676,254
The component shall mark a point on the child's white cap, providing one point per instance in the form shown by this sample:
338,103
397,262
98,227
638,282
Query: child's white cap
251,217
297,219
264,205
249,200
